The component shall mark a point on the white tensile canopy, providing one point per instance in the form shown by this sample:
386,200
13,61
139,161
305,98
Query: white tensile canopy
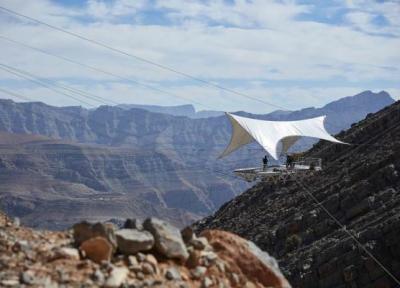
270,133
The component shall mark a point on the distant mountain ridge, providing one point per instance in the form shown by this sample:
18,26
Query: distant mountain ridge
162,147
179,110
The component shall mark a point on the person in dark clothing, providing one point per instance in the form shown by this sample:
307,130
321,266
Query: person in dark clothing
265,163
289,161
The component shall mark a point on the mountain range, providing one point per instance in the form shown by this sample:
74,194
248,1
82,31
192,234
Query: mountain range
187,110
118,162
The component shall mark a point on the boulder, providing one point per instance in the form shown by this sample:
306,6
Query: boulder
187,234
132,241
97,249
245,258
168,239
173,274
117,276
199,272
66,253
84,230
199,243
133,224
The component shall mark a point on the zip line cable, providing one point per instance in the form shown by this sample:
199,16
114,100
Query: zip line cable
127,79
34,79
73,90
358,145
67,88
15,95
343,227
41,83
105,72
142,59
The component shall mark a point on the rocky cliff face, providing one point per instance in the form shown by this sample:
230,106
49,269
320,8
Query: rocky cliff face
75,181
144,162
359,186
149,254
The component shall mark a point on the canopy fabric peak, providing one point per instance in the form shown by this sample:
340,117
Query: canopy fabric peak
270,133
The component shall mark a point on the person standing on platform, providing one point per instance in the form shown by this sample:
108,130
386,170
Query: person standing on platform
265,163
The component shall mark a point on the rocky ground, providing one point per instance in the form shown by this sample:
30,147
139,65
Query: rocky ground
359,186
149,254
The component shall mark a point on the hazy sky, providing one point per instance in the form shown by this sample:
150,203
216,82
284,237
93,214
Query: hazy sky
291,53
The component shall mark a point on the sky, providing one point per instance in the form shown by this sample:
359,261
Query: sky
287,53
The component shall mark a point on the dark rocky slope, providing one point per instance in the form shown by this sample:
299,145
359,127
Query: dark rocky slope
360,186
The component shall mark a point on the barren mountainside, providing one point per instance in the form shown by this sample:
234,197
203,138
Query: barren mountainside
359,186
76,181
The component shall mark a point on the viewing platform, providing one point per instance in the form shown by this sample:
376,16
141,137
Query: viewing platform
302,166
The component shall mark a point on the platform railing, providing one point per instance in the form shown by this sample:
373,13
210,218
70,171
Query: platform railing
301,164
312,163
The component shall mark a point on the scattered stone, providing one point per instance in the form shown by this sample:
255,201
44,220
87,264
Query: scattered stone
221,266
27,277
187,234
152,261
136,268
84,231
194,258
173,274
235,279
66,253
168,239
147,268
97,249
249,285
9,283
199,243
133,224
208,258
16,222
62,276
98,277
198,272
117,277
132,261
22,246
131,241
140,275
140,257
106,265
207,282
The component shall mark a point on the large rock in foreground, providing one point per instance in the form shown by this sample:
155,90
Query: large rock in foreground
168,239
132,241
246,259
